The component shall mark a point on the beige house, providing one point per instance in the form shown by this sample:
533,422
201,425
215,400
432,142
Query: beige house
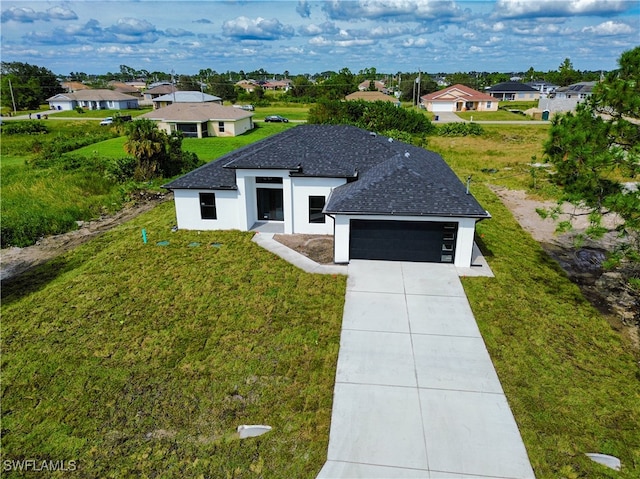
200,120
459,98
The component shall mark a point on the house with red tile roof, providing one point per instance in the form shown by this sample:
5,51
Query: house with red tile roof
458,98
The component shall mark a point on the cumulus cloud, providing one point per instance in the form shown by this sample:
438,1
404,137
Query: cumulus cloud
132,26
609,28
256,29
555,8
303,8
313,29
29,15
392,10
61,13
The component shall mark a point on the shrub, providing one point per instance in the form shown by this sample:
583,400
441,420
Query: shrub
460,129
376,116
121,170
30,127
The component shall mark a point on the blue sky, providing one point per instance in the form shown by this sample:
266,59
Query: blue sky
314,36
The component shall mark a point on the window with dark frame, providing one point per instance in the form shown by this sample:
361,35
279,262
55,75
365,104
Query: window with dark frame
221,126
208,206
316,205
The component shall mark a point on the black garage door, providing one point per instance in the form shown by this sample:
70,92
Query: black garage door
403,241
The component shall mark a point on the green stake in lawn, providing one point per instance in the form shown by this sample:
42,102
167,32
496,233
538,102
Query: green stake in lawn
144,236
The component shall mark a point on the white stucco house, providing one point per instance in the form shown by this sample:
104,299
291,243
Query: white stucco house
381,199
458,98
199,120
93,100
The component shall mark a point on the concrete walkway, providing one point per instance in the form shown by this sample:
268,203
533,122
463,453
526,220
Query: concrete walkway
416,394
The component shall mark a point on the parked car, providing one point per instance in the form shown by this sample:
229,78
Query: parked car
107,121
276,118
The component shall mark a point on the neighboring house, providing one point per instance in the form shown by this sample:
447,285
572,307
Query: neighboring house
513,90
566,98
458,98
277,85
185,97
199,120
545,88
248,86
158,90
93,100
370,96
379,198
124,88
379,86
71,86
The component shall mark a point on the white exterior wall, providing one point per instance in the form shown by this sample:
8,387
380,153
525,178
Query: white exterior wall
61,105
302,188
188,210
464,237
464,242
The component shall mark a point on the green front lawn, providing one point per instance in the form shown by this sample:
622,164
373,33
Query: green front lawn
99,114
140,360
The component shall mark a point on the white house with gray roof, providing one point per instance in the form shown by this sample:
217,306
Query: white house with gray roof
93,100
381,199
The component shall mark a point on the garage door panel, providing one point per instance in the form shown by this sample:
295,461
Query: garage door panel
402,240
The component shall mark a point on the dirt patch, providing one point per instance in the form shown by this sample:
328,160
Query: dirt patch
319,248
607,290
15,261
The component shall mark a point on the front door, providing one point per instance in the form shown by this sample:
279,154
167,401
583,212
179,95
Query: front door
270,204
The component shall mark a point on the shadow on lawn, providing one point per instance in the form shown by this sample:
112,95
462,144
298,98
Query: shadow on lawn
34,279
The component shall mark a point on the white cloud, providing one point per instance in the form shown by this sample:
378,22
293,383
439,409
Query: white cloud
256,28
554,8
609,28
392,10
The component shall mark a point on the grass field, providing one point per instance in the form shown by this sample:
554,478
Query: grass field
207,149
140,360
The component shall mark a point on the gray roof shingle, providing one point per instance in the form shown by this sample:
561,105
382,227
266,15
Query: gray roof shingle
384,176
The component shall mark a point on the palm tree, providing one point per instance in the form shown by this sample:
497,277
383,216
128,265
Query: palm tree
147,145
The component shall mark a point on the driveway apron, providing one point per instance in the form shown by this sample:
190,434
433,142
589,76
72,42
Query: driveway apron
416,394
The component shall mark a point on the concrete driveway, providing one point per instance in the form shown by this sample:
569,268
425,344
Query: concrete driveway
416,394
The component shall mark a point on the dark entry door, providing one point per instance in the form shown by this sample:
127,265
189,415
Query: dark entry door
403,241
270,204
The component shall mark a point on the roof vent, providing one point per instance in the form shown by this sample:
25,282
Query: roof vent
390,140
407,154
373,133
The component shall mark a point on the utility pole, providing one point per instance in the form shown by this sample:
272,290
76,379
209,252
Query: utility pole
13,100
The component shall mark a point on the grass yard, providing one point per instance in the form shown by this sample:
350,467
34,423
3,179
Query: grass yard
99,114
502,156
572,382
500,115
138,360
141,360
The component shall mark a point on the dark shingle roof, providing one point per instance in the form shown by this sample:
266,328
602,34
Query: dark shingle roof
510,86
385,177
416,182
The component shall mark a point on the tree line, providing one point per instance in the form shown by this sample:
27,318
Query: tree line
26,87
